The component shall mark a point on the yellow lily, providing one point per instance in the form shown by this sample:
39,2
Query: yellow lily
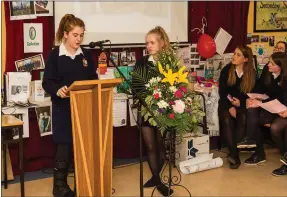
169,77
160,68
182,76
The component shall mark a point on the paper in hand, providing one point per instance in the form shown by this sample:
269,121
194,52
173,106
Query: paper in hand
261,97
273,106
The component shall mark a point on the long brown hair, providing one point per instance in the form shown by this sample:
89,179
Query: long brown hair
280,59
162,35
249,76
67,23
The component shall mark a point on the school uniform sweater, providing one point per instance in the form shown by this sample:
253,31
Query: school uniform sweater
234,90
273,90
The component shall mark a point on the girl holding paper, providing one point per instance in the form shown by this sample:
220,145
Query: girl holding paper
236,79
270,83
279,132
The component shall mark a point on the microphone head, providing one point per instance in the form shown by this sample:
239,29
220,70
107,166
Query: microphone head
92,45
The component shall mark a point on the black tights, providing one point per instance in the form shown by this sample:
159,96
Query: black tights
279,133
64,152
233,129
155,150
257,118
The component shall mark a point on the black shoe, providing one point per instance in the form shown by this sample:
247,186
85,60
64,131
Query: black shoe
163,189
61,187
234,161
247,150
152,182
280,171
255,159
246,143
283,159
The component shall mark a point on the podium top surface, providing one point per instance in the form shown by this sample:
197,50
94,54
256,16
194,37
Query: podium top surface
9,121
90,84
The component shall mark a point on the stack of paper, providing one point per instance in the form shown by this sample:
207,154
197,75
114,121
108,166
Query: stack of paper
273,106
261,97
200,163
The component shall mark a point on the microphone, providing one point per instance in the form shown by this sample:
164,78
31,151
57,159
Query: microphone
98,43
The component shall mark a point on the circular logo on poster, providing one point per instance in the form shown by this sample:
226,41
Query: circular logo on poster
32,33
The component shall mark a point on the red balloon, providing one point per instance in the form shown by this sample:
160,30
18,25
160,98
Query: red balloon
206,46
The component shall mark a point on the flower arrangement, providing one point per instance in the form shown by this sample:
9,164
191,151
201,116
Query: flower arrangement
165,89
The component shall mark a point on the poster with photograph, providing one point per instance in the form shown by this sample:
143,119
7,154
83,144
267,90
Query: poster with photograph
184,56
114,56
31,63
123,58
15,131
17,87
217,63
131,58
44,120
194,57
20,10
22,114
44,8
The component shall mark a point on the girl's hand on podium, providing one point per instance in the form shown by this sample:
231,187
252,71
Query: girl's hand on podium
62,92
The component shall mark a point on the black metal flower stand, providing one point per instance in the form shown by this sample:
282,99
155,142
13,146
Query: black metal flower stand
170,141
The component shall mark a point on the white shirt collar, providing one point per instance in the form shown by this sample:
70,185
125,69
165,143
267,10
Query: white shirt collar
63,51
275,75
239,75
151,59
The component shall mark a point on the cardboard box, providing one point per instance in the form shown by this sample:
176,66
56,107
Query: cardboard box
192,146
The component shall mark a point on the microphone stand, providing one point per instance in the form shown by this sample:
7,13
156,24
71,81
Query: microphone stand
139,118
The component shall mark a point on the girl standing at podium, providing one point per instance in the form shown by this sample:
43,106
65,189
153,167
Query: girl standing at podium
66,63
156,40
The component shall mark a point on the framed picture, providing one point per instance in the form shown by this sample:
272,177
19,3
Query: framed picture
31,63
20,10
44,8
270,16
44,115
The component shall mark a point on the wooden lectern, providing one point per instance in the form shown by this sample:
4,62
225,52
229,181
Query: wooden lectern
92,121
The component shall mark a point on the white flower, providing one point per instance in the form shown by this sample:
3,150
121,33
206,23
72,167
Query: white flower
158,79
179,106
162,104
147,85
153,80
172,89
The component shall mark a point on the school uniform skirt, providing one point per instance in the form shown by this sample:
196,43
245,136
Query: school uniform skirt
61,121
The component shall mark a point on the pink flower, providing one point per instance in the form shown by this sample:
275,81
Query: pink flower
187,110
183,89
156,96
179,106
178,94
171,116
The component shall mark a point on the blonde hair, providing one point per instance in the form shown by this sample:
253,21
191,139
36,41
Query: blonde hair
67,23
249,77
163,37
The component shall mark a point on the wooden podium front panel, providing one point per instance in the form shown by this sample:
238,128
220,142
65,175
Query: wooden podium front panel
84,141
107,104
92,134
